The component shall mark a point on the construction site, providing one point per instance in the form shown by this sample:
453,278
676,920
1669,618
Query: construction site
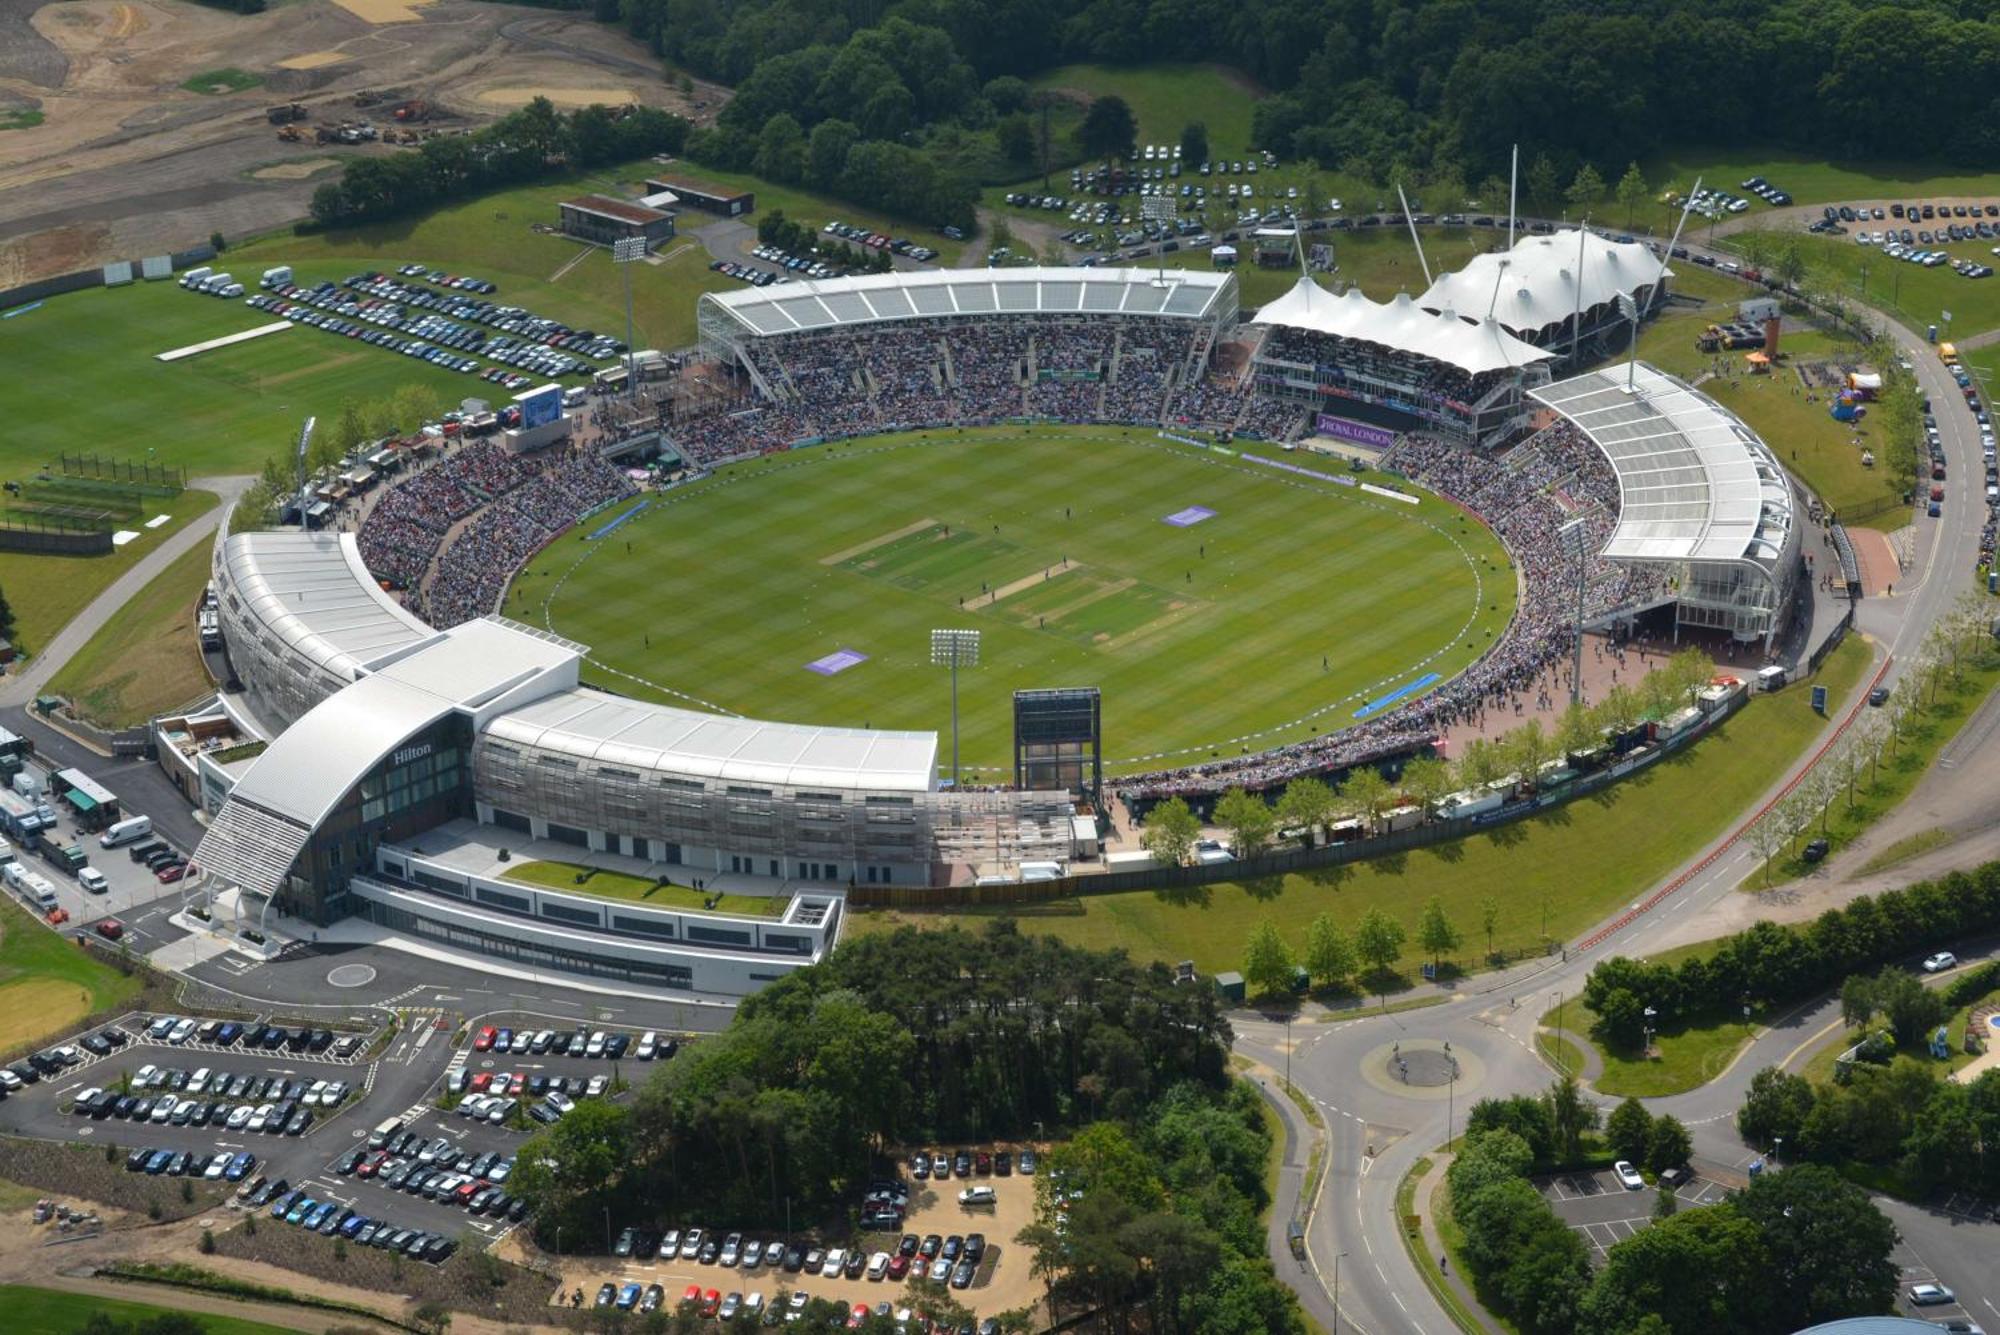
149,124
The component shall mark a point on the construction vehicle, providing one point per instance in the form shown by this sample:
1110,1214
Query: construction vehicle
285,115
290,134
412,111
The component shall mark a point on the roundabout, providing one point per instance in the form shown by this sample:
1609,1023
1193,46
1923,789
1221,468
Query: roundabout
1223,601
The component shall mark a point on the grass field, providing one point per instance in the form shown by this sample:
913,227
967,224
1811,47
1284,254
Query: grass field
1919,295
730,588
1811,180
1554,867
1380,260
46,982
617,885
46,591
146,660
33,1311
1820,450
20,118
228,79
1165,98
1688,1057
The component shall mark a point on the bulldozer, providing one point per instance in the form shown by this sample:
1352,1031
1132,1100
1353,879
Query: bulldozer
290,134
413,111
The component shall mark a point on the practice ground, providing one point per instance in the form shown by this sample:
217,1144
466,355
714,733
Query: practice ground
47,984
1281,615
147,660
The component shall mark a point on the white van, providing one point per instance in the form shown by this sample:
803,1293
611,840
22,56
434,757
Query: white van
91,879
42,892
30,784
16,874
125,831
193,277
574,396
6,851
277,277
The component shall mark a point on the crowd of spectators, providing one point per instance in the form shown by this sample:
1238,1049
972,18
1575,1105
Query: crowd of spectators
1525,498
404,526
473,571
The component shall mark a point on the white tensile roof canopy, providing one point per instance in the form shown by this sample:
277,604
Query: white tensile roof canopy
791,308
1534,285
1695,483
1399,323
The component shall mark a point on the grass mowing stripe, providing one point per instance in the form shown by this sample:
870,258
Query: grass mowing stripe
1195,635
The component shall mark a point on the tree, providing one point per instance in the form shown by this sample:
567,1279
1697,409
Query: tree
1305,805
826,152
1585,190
1621,1019
1109,129
1367,792
1527,749
1170,831
1670,1146
1016,137
1489,918
1482,763
1665,1203
1426,781
1267,961
1911,1009
1775,1108
1249,820
781,149
1329,955
1697,1271
1826,1245
1570,1115
560,1171
1577,729
1378,942
1544,186
1769,837
1436,932
1194,145
416,406
6,618
432,1318
1632,191
1857,1000
1630,1130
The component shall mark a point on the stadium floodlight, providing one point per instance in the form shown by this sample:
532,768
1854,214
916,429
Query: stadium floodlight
1573,540
624,252
954,649
1158,209
305,489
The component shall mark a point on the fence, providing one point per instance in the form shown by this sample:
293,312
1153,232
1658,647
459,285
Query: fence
76,282
1169,879
21,534
144,477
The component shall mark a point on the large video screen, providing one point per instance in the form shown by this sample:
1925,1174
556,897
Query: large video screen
539,407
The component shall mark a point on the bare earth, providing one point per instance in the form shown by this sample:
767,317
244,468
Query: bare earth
128,163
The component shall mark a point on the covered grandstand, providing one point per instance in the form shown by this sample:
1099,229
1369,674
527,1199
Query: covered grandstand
1559,292
1701,496
1396,364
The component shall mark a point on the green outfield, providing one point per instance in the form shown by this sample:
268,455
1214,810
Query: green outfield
1279,616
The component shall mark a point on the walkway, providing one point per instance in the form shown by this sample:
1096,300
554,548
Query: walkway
20,688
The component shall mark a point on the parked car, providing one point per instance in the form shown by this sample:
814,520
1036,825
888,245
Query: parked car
1941,961
1628,1176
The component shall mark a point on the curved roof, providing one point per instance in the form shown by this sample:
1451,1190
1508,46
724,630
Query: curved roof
591,725
1537,280
1694,483
790,308
1402,324
312,592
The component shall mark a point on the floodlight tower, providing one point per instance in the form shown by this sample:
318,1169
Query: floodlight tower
1159,209
624,252
954,649
305,441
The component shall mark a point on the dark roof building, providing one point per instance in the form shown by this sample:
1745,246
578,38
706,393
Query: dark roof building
603,219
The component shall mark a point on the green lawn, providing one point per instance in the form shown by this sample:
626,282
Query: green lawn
20,118
618,885
1876,794
1380,260
1811,180
228,79
46,591
493,237
50,1312
1918,294
1165,98
1561,1049
48,982
1573,864
730,588
146,660
1823,452
1688,1056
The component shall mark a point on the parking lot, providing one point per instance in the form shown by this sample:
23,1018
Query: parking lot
936,1222
1605,1213
1915,1271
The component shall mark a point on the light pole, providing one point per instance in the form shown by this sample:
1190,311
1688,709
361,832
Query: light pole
1559,1028
1288,1054
1451,1095
624,253
1336,1291
954,649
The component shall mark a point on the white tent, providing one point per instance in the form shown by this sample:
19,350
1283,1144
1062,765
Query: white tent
1401,324
1535,284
